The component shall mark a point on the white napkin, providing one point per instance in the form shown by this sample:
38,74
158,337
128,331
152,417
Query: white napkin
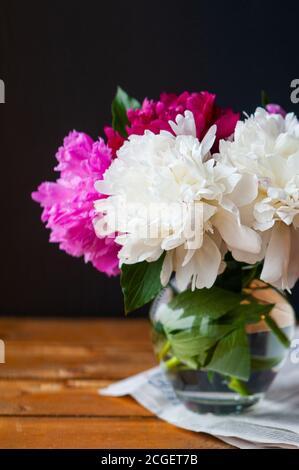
273,422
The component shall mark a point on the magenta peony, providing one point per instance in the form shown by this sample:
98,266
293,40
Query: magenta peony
68,203
273,108
154,115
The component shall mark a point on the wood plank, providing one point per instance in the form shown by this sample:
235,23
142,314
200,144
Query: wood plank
52,349
103,330
50,360
99,433
63,398
48,387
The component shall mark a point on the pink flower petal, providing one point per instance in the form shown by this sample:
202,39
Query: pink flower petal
68,203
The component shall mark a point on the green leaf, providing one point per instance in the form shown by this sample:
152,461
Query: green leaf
213,302
190,345
140,283
215,338
196,343
231,356
158,327
248,313
264,363
120,105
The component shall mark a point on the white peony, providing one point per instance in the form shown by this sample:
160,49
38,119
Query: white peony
267,145
165,183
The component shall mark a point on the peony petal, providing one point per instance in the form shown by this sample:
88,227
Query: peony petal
245,191
184,125
252,258
184,273
264,215
277,256
207,260
208,210
208,140
68,203
189,255
226,124
167,268
236,235
293,268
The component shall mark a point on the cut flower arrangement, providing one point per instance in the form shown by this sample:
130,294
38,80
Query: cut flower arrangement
197,208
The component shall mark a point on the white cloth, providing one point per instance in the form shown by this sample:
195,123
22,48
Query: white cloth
273,422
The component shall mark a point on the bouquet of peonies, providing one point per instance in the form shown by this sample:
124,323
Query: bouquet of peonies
186,194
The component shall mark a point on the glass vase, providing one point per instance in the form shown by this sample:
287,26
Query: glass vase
201,388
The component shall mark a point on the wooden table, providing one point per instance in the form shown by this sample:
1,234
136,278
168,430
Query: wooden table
48,387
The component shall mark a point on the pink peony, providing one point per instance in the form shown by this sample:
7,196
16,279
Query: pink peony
273,108
154,115
68,203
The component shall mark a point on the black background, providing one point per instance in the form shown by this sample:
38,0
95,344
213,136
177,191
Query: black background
61,62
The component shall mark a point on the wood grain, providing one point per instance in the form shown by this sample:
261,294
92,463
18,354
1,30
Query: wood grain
99,433
63,398
109,331
52,360
49,387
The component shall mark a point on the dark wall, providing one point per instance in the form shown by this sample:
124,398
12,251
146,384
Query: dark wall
61,62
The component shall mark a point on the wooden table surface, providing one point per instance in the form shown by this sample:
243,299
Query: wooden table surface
49,383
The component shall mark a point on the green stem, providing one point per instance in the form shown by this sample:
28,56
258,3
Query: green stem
164,350
171,363
264,98
280,335
238,386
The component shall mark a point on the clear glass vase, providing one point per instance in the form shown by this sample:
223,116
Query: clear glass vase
203,390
